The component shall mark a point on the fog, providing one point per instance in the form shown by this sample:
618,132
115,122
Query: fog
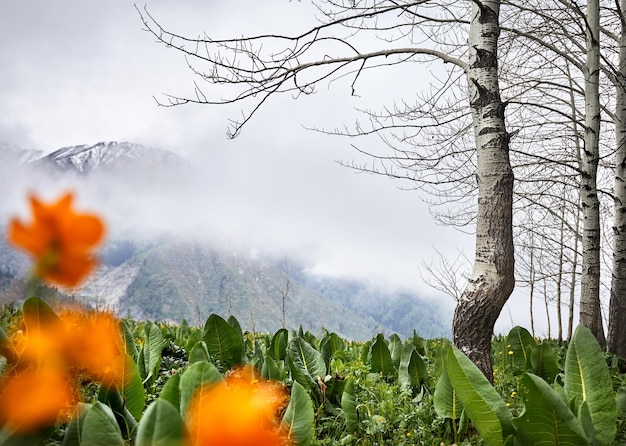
79,72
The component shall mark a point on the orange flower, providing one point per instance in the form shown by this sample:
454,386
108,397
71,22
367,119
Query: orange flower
92,342
59,239
34,398
237,412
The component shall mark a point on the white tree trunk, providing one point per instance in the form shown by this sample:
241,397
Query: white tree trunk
616,341
590,315
492,279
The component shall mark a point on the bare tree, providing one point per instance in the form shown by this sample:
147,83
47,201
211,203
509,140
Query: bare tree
616,339
447,276
284,292
463,35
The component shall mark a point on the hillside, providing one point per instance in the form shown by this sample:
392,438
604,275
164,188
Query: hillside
173,279
149,275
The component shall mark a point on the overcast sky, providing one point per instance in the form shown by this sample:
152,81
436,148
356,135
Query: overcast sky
83,71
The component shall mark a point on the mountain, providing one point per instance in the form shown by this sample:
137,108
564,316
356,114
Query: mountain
111,156
171,279
151,275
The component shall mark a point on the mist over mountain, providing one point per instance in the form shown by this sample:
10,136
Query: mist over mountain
113,156
169,255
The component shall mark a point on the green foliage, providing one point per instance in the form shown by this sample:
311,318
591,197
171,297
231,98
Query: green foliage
480,400
381,361
149,358
299,417
224,342
544,361
587,382
546,419
384,391
519,342
162,425
305,363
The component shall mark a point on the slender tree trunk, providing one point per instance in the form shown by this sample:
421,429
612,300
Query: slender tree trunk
531,277
531,274
616,342
559,277
572,284
573,279
590,315
492,279
546,303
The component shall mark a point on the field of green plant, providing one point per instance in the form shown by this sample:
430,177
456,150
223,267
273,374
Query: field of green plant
386,391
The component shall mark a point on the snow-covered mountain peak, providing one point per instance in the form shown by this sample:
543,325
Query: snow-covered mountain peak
112,155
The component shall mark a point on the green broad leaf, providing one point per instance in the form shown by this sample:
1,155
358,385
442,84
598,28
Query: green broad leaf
310,338
544,362
585,420
38,314
130,385
233,322
483,404
271,371
464,424
587,379
305,363
395,349
412,370
546,419
330,344
129,341
224,343
111,396
518,341
199,353
161,425
99,427
445,400
182,333
348,405
511,440
72,432
278,346
366,352
141,364
299,418
194,337
381,361
190,381
152,350
419,343
171,391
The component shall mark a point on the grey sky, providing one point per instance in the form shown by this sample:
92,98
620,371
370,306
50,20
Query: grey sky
83,71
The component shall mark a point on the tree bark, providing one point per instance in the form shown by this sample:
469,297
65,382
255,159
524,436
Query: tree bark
590,315
492,279
616,340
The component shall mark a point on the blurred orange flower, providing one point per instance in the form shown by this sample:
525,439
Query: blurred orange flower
239,411
59,239
34,397
92,342
51,355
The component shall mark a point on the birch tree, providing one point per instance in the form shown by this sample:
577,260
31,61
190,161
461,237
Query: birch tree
463,35
590,314
616,339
